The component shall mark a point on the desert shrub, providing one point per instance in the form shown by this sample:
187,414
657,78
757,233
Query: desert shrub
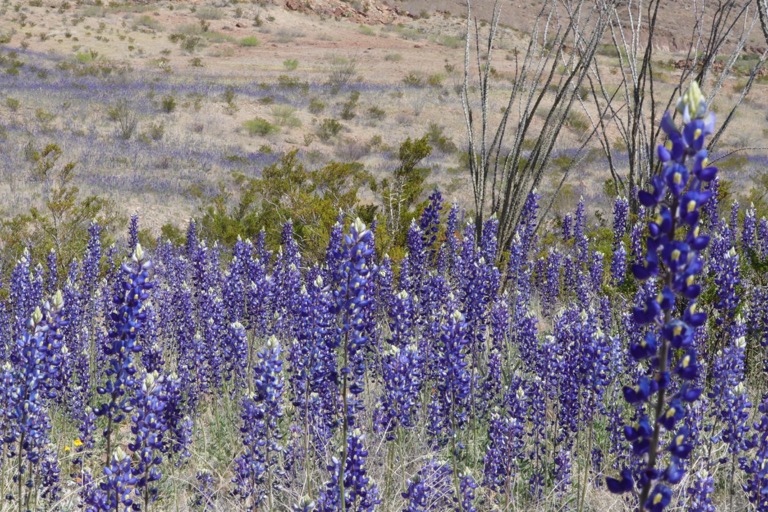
290,64
209,13
285,115
376,113
249,41
191,43
577,122
146,21
286,189
348,107
168,104
435,80
439,140
316,105
12,103
125,118
413,79
393,57
61,223
291,82
328,129
156,131
341,74
261,127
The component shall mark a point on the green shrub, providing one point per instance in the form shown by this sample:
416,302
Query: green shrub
285,116
376,113
12,103
413,80
168,104
261,127
316,105
329,129
290,64
348,108
250,41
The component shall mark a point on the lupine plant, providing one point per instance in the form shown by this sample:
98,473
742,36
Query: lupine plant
463,375
673,250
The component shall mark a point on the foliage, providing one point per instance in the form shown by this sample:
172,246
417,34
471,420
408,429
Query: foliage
402,191
260,126
62,223
287,191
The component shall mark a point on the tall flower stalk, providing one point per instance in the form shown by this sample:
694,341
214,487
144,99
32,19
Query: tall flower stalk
672,252
127,318
352,276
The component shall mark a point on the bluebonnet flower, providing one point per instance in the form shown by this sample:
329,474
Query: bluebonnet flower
700,493
351,300
562,471
619,265
256,468
148,428
176,418
152,352
756,467
730,403
450,405
749,230
357,491
115,490
762,236
430,489
133,231
677,194
127,318
506,441
567,227
727,279
429,223
581,243
204,490
30,381
403,375
620,218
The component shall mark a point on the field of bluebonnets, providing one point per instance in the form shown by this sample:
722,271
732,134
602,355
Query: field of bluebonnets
403,362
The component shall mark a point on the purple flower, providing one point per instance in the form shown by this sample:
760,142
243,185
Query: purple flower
676,195
257,468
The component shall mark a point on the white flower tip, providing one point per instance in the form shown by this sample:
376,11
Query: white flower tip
359,225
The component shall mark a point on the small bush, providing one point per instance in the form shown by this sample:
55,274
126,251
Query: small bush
126,120
285,116
413,80
290,64
376,113
261,127
435,80
210,13
328,129
348,108
250,41
393,57
577,121
342,73
316,105
12,103
156,131
168,104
